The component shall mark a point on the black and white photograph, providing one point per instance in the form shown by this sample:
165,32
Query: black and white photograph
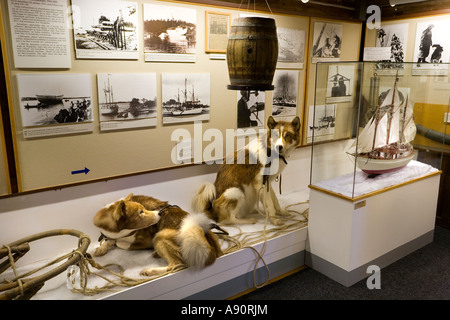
284,103
291,48
432,47
340,83
322,121
327,42
126,100
392,36
55,99
185,97
169,30
250,109
105,29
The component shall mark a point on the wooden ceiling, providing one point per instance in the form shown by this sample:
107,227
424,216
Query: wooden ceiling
352,10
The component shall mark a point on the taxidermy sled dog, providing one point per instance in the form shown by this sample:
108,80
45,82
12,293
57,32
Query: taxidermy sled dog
142,222
247,180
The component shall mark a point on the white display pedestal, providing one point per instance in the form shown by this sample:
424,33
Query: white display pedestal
346,235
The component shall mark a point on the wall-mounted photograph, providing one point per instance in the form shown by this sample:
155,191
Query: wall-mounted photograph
55,99
322,122
105,29
170,33
284,104
340,83
185,97
393,36
432,47
327,42
126,100
291,48
250,108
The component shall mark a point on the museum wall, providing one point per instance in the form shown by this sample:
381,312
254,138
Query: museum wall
51,156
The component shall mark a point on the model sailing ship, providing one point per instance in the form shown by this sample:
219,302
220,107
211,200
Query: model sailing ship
384,143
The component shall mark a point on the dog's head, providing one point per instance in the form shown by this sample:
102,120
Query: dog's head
125,214
283,136
438,48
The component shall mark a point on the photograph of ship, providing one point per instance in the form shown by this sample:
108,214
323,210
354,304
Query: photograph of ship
105,29
321,120
50,99
291,45
284,103
185,97
127,96
169,29
340,83
327,41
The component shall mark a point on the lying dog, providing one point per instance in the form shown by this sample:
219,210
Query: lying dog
142,222
240,185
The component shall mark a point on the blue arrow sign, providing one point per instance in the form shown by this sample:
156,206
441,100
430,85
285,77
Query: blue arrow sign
85,171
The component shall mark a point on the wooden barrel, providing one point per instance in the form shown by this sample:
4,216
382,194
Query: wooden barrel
252,53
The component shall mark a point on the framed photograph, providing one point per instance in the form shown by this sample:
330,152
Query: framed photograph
322,121
105,29
54,104
217,31
126,100
284,104
327,41
340,83
432,48
170,33
392,36
250,109
185,97
291,48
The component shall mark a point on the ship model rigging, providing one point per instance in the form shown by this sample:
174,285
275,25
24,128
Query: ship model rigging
384,144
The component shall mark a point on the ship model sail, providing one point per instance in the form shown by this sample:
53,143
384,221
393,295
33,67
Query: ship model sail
384,145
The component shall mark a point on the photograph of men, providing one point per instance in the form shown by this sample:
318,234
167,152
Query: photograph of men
250,109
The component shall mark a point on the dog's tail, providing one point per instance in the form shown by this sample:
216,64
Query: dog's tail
199,246
203,198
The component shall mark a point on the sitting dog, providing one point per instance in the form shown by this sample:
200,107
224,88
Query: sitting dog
437,53
240,185
142,222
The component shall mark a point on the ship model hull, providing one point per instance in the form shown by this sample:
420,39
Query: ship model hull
386,159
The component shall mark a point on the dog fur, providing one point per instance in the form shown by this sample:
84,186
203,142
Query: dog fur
142,222
240,185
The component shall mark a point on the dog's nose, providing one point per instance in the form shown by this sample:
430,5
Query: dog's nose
279,148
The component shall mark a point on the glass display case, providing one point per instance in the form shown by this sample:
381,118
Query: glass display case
377,124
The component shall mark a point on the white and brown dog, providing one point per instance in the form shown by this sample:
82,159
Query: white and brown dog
248,178
142,222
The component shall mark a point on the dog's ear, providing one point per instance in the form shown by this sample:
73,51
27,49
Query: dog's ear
120,210
271,123
296,123
128,197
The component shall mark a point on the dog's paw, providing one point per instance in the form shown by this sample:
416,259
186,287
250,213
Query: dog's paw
148,272
283,212
276,222
100,251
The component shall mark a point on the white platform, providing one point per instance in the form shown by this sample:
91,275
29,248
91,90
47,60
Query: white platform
74,208
347,234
